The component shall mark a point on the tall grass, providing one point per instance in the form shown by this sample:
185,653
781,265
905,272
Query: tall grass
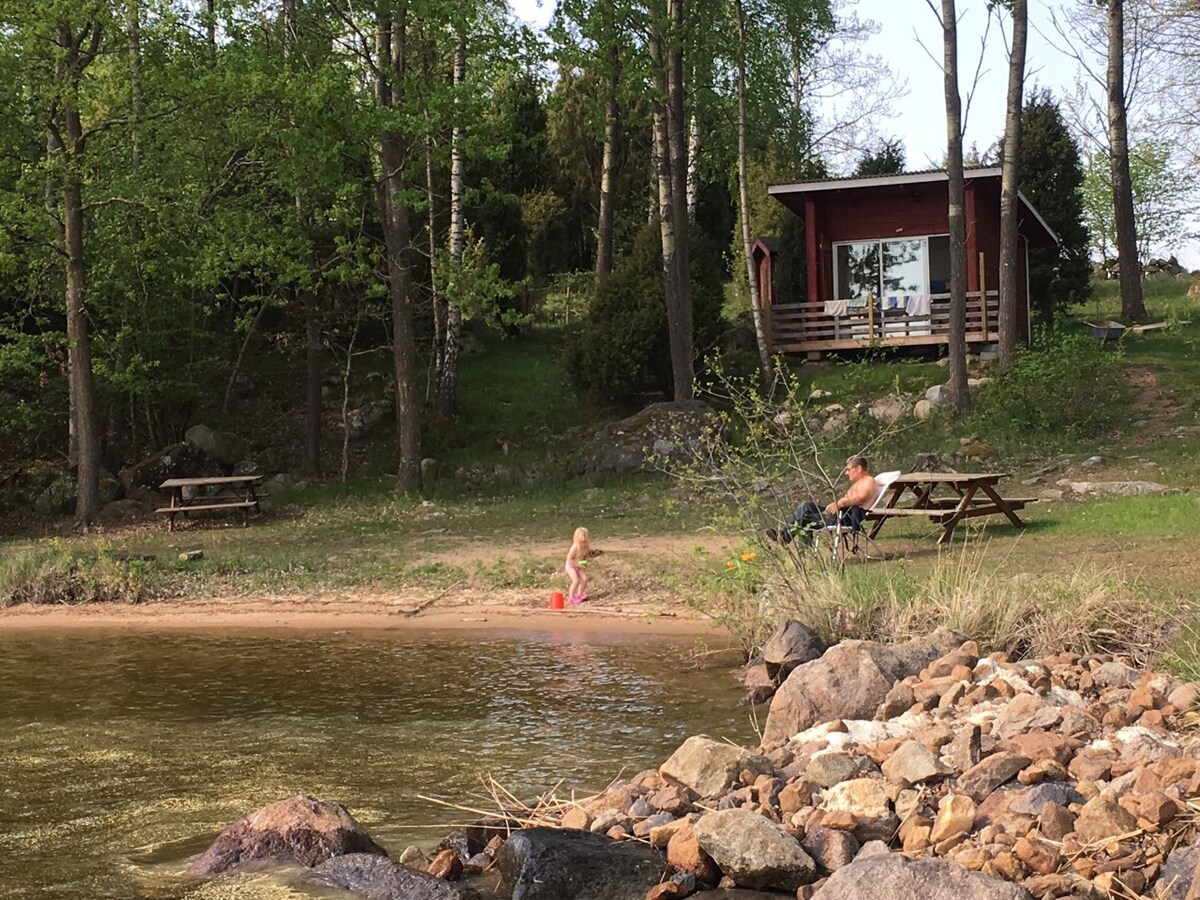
1092,609
55,574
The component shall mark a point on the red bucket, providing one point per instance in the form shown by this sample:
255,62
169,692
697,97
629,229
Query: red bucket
556,600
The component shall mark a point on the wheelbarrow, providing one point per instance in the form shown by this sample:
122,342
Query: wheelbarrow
1105,330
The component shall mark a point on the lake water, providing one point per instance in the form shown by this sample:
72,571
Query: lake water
122,755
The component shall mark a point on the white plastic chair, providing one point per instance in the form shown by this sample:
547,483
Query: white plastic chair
853,540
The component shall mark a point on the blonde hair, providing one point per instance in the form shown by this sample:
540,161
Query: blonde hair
581,537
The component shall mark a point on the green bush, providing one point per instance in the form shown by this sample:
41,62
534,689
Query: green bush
623,348
1066,386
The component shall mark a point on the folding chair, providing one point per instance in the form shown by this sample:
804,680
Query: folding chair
847,540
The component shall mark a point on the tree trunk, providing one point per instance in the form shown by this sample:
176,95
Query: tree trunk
448,383
134,16
766,373
1133,306
960,397
83,387
671,140
210,24
397,235
437,301
608,172
1009,186
311,462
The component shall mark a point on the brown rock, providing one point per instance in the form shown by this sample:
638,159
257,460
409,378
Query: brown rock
956,815
1147,695
1154,808
446,865
1041,857
1039,745
685,853
1184,697
917,839
964,750
1152,718
1043,770
1056,821
1102,819
661,835
794,796
1007,866
303,829
1093,764
989,773
829,848
576,817
668,890
913,763
672,799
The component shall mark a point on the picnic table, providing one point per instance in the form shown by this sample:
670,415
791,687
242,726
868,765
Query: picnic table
946,498
189,495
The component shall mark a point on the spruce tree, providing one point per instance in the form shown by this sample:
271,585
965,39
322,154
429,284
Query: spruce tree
1052,176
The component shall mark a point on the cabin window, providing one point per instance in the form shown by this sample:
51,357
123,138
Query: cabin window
892,268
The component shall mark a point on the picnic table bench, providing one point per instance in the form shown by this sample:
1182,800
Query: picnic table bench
972,495
189,495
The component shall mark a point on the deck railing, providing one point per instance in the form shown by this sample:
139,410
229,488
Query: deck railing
801,327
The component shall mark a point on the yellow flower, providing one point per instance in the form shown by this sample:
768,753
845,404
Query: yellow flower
730,564
749,556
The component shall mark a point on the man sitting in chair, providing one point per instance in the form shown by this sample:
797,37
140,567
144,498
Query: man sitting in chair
849,509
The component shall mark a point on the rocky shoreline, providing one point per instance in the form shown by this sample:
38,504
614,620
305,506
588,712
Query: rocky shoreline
916,770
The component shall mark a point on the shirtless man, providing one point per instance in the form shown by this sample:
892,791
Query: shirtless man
848,509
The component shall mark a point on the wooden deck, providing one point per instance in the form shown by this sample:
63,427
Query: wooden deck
807,328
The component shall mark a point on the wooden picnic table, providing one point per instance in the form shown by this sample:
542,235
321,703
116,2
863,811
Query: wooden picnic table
190,495
970,496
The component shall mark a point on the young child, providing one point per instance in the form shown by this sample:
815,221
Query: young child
576,562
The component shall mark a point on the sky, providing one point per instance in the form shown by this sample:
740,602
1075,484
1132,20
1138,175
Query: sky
909,39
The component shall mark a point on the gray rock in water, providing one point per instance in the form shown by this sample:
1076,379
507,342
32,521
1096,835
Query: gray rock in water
754,851
565,864
378,878
792,645
897,878
300,829
849,682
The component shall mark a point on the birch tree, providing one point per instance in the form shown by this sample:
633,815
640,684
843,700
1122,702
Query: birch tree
1010,182
960,397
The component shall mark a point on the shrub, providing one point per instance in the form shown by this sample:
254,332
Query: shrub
624,348
1067,385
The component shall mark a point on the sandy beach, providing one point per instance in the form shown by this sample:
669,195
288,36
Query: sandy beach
405,611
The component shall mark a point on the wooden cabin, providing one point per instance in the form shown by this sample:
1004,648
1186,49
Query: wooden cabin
878,262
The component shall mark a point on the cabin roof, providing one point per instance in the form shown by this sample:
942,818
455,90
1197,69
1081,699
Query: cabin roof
926,176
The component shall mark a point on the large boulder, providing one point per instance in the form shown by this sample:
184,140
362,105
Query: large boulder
182,460
792,645
849,682
754,851
300,829
565,864
378,878
897,878
223,446
364,420
660,432
708,767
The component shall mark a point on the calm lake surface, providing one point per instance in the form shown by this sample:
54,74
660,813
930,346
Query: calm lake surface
122,755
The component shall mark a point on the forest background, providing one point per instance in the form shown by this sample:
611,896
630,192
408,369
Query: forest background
187,189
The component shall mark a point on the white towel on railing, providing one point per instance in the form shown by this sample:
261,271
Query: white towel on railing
917,304
894,301
836,307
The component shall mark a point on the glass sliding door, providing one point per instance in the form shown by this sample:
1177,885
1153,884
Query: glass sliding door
857,270
904,267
